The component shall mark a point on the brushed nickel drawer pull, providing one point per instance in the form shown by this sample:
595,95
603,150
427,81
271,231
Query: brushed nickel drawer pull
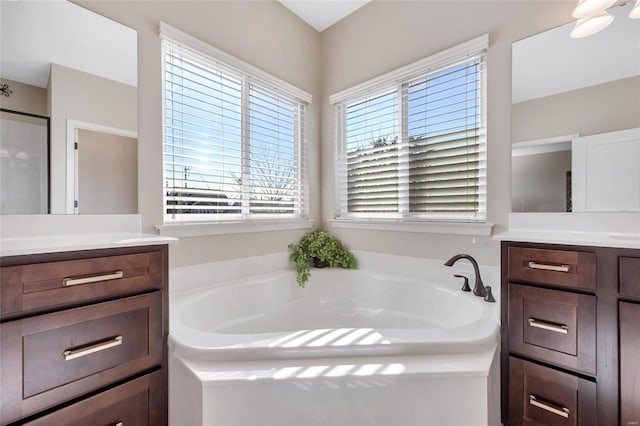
547,406
545,267
73,354
558,328
97,278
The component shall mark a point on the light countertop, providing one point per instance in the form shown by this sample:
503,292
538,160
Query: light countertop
36,234
598,239
621,230
60,243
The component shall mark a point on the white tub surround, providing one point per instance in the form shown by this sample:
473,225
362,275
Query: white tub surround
33,234
621,230
395,342
443,390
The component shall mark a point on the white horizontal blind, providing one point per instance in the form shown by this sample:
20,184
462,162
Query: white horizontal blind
372,154
273,169
232,147
446,140
416,148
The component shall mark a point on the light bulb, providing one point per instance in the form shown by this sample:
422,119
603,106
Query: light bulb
591,25
635,12
588,8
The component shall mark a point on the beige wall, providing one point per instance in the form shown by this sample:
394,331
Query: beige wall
107,173
79,96
379,37
539,182
25,98
597,109
262,33
384,35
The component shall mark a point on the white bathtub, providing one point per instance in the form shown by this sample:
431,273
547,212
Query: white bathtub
340,313
371,335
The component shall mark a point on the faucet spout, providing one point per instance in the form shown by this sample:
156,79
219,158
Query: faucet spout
479,288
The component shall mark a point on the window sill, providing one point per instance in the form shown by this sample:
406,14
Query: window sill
203,229
454,228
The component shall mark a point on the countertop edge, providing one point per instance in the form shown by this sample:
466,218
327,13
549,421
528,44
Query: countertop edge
592,239
63,243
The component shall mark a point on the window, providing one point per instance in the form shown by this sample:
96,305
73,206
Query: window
412,143
232,141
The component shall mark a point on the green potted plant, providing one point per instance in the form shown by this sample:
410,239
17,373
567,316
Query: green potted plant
319,249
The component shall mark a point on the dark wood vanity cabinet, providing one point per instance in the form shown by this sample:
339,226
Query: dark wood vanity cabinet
570,335
629,363
83,337
543,396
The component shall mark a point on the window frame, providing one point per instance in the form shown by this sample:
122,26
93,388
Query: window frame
214,223
397,81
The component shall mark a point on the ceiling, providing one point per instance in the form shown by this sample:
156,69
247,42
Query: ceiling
321,14
552,62
35,34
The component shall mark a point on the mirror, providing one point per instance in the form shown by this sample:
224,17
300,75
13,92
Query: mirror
78,71
574,100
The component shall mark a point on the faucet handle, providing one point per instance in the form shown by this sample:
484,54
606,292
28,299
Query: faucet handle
489,297
465,286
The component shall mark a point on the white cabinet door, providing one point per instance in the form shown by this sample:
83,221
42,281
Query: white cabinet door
606,172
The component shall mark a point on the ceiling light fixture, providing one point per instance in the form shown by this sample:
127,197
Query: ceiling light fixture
593,17
4,90
591,25
635,12
587,8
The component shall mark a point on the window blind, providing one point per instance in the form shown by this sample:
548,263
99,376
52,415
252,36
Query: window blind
372,153
416,146
232,145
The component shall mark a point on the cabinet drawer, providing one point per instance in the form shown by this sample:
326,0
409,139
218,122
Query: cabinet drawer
34,287
629,276
629,366
543,396
554,326
564,268
48,359
138,402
